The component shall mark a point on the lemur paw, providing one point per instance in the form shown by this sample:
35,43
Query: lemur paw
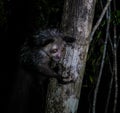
68,79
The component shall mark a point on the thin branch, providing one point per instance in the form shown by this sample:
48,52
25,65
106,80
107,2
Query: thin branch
115,65
118,41
111,43
110,86
102,64
115,72
110,66
111,81
100,19
109,33
101,4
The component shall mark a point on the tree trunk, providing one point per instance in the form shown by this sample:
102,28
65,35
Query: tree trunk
77,22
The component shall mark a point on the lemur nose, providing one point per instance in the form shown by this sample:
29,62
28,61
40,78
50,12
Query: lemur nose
58,56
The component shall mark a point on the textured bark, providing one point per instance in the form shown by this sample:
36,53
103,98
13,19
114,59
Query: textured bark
77,22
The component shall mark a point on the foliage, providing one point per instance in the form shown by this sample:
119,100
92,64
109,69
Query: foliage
94,56
96,47
115,17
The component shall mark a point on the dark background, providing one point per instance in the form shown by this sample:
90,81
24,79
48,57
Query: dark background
18,19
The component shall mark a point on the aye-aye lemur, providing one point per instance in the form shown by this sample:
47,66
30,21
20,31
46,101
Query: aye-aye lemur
38,55
42,50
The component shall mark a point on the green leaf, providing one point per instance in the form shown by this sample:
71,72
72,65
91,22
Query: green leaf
91,78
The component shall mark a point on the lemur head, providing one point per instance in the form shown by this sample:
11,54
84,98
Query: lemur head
52,42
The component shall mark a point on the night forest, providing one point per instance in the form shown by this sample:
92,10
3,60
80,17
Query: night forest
22,18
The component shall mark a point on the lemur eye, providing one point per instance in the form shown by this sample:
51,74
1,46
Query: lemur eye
54,51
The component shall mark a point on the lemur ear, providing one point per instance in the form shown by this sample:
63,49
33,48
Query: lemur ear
69,39
38,41
47,41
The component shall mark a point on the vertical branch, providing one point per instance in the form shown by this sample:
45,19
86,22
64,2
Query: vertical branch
100,19
111,82
115,65
118,41
102,63
110,41
101,4
110,87
77,22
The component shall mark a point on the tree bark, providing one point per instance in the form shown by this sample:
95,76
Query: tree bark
77,22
